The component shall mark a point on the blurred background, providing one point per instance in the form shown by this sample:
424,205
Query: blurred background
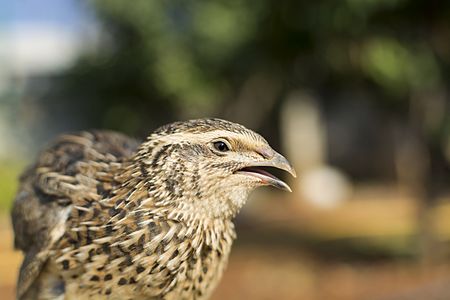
355,93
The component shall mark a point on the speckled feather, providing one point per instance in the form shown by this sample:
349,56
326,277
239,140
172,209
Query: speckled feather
100,216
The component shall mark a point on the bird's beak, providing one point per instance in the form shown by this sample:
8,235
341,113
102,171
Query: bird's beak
276,161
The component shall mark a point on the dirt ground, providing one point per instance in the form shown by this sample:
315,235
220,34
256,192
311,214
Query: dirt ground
256,273
9,260
270,260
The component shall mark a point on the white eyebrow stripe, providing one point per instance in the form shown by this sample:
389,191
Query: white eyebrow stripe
209,136
204,136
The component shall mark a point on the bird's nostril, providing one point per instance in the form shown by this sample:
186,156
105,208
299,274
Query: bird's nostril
267,153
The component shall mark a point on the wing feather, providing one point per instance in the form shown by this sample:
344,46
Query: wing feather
46,193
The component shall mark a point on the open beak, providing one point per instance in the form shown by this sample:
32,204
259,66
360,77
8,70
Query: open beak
276,161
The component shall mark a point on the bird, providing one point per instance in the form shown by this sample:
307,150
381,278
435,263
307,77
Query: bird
100,215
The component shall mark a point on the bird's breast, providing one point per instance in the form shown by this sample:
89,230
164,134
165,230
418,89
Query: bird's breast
161,258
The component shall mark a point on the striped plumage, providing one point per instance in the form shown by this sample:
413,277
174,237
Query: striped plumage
100,216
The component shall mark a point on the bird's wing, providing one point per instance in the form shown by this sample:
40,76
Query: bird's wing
47,190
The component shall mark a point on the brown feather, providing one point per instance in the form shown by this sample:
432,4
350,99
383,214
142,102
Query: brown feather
100,216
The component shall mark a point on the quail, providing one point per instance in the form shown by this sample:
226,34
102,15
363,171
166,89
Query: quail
100,215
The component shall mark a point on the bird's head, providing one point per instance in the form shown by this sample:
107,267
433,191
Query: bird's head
207,167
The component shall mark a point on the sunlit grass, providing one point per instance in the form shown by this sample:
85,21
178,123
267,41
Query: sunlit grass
9,175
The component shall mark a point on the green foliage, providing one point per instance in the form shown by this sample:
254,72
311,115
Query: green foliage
9,174
399,69
165,60
193,50
185,44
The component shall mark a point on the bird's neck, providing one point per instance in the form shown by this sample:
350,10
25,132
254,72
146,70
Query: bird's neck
179,186
138,190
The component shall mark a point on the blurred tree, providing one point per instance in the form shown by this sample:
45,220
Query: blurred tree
192,58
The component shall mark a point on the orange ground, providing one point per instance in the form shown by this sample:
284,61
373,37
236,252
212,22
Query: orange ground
292,251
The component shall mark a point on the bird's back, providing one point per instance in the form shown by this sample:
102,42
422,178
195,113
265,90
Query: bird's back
47,190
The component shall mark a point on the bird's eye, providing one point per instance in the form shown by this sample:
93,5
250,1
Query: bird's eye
221,146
